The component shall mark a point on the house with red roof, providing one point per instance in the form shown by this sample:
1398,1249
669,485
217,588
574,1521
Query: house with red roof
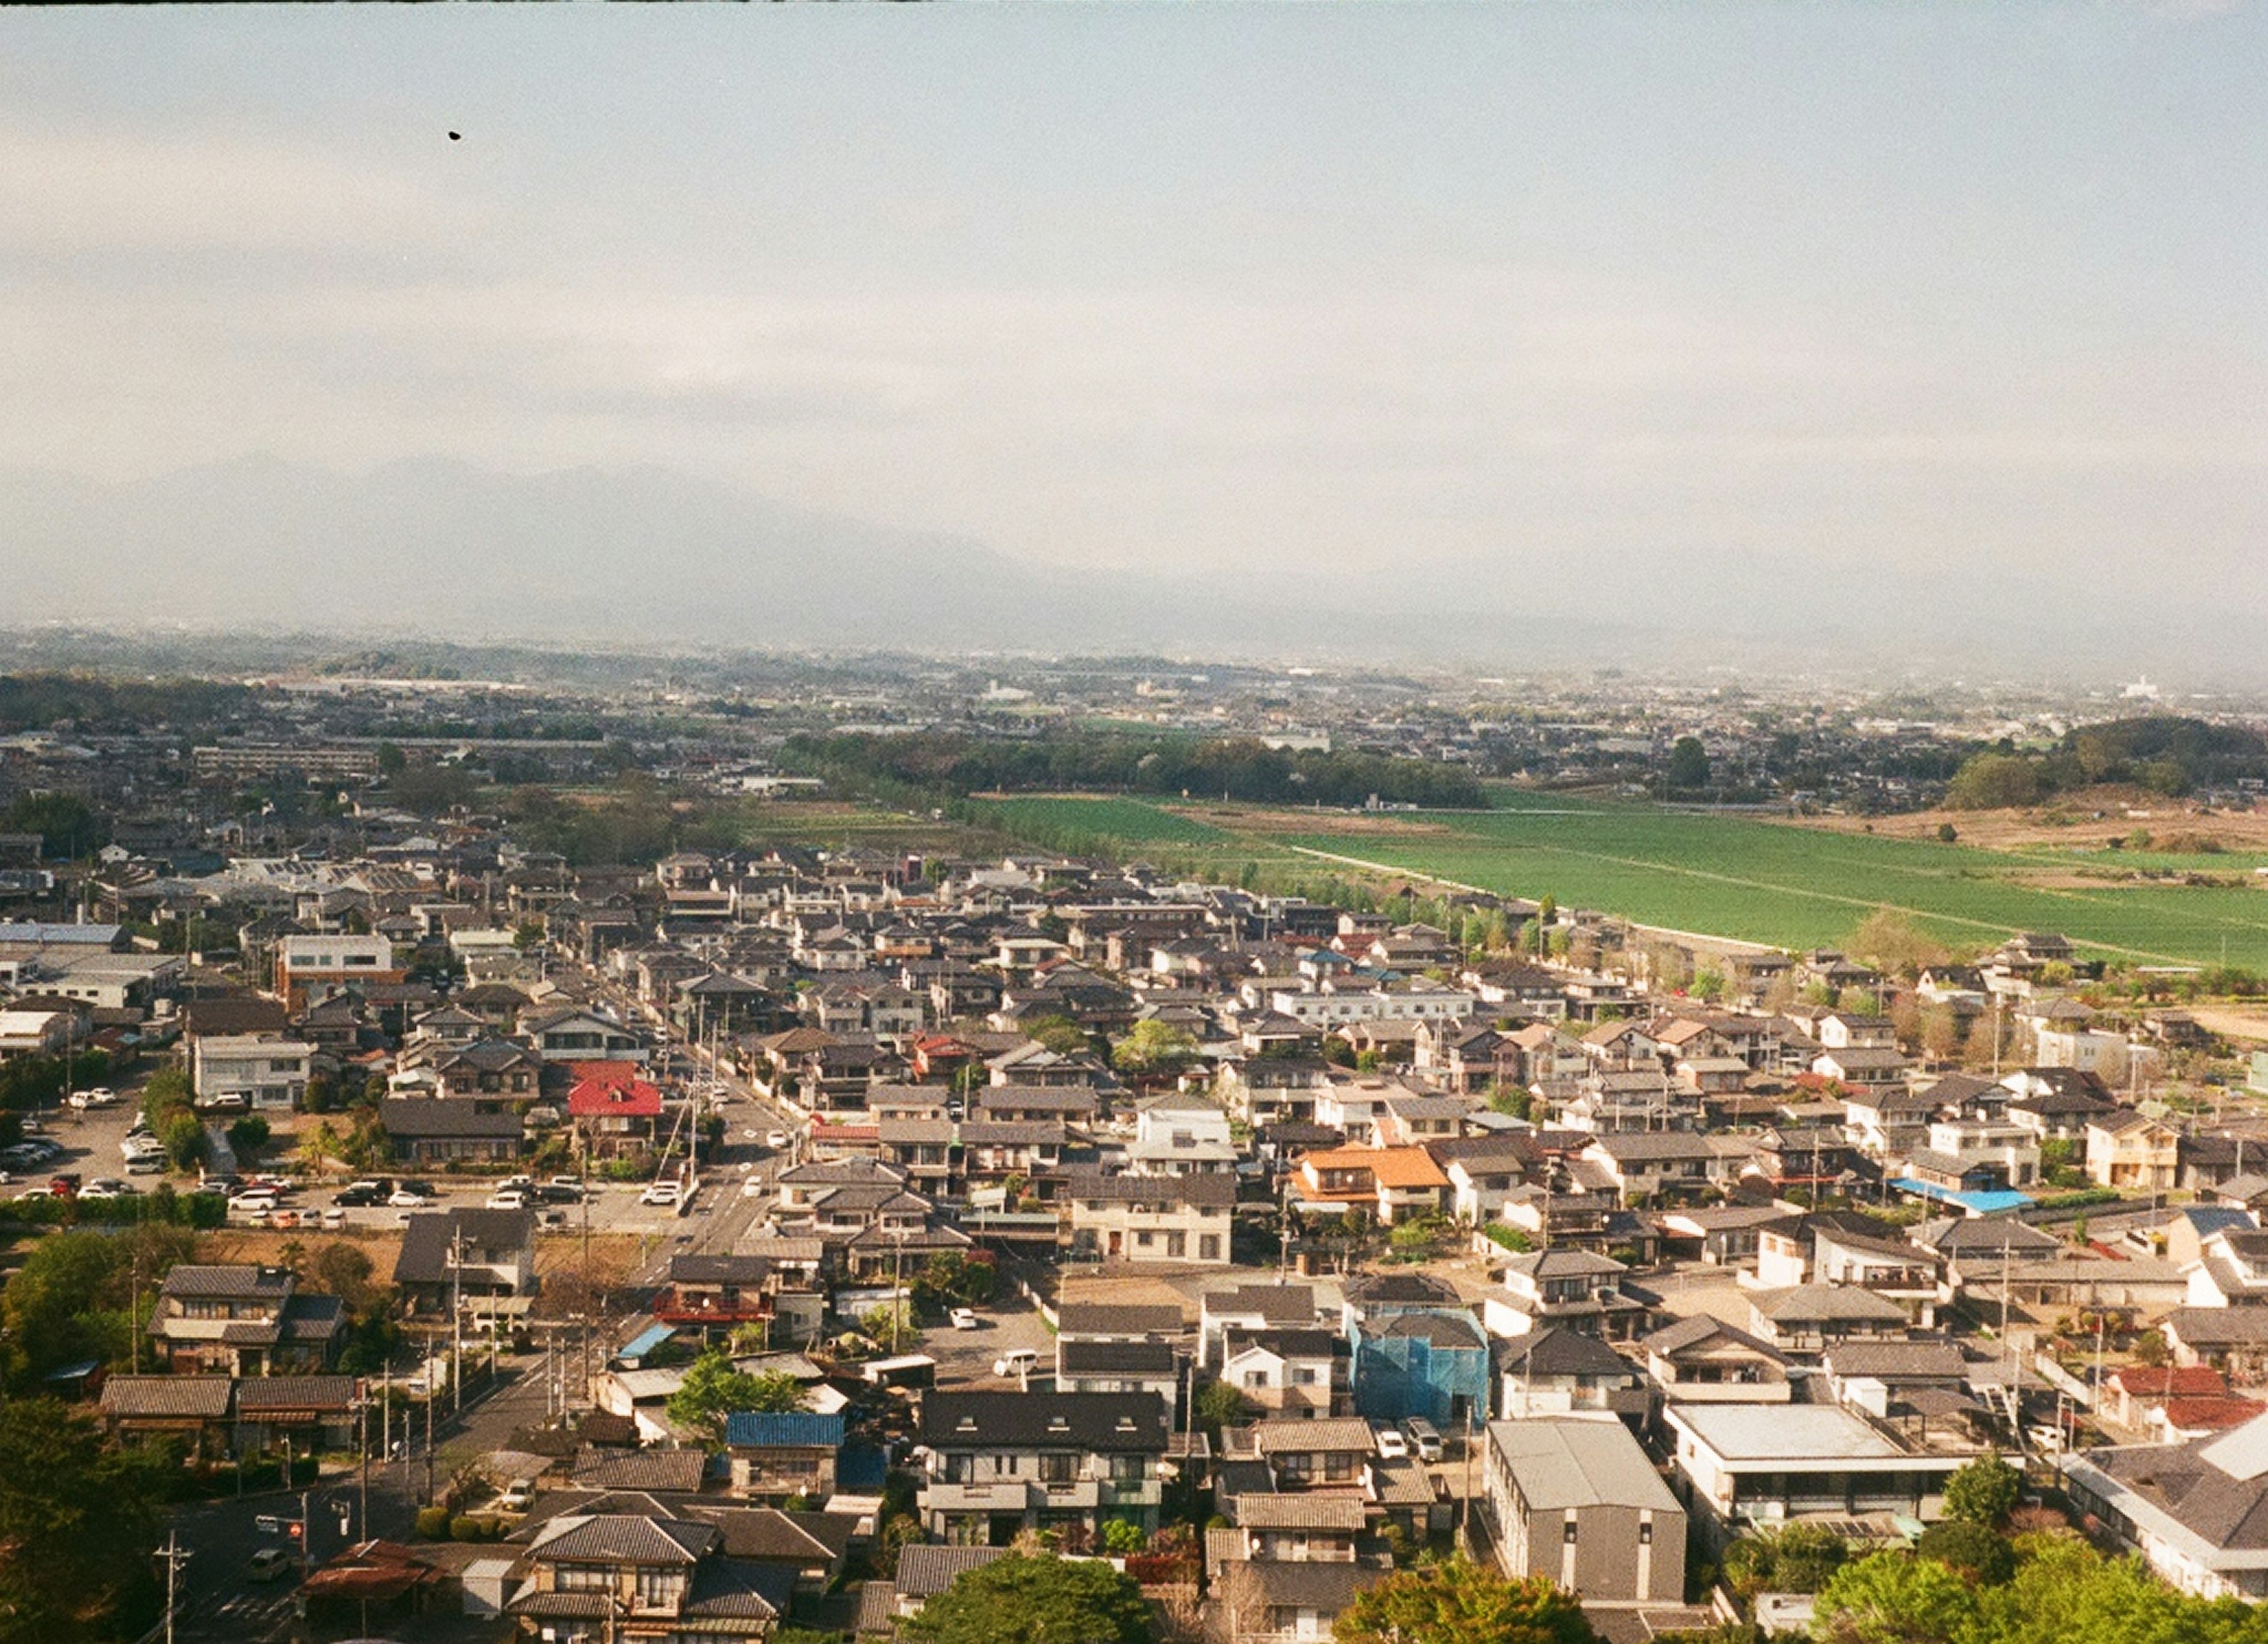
614,1111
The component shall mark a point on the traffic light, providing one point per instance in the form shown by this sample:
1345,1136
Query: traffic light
298,1528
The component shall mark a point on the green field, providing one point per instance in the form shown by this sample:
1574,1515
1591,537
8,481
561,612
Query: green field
1736,876
1131,821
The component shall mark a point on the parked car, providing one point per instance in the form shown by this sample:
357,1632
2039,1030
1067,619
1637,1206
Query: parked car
963,1318
517,1495
1391,1445
335,1217
554,1193
1016,1362
360,1195
252,1201
65,1184
146,1163
108,1187
227,1102
662,1193
508,1199
410,1196
516,1183
1425,1438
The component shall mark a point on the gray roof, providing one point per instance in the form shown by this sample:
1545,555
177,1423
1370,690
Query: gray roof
1099,1318
1106,1422
1275,1304
1114,1358
1570,1462
925,1571
258,1393
176,1397
1301,1512
627,1538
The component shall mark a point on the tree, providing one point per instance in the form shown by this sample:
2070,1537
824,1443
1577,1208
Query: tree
1975,1550
528,936
1219,1406
713,1390
248,1136
1894,1598
1984,1491
1689,765
1458,1602
78,1522
1027,1598
1155,1047
1800,1558
1059,1033
1994,782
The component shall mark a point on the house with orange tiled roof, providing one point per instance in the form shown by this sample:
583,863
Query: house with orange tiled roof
614,1111
1387,1182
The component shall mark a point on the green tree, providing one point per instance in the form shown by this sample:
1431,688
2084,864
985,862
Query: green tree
66,825
1894,1598
1994,782
1984,1491
1459,1602
1035,1599
1154,1048
1977,1550
1221,1406
1689,765
713,1390
78,1521
1059,1033
248,1136
1122,1538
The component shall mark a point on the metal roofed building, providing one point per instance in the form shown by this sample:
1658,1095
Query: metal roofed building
1574,1498
1766,1464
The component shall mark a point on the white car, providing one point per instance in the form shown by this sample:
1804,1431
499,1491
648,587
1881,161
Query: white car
1391,1445
507,1199
251,1204
661,1193
269,1564
517,1495
963,1318
755,1187
1016,1362
775,1140
408,1199
101,1098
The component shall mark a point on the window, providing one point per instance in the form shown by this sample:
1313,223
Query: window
1208,1247
1567,1532
1304,1375
1058,1468
1645,1532
658,1589
1144,1240
1255,1378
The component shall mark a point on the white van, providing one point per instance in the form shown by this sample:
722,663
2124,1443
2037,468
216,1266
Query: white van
1425,1438
1016,1362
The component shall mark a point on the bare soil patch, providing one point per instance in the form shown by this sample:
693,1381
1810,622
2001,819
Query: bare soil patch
2087,818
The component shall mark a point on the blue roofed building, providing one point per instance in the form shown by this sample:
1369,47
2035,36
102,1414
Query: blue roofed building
783,1453
1433,1365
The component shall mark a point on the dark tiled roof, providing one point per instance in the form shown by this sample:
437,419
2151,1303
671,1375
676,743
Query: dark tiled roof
1106,1422
258,1393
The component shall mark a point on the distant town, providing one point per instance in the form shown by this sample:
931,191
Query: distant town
503,1145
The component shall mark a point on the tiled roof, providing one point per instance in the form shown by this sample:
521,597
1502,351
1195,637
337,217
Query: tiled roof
182,1397
759,1429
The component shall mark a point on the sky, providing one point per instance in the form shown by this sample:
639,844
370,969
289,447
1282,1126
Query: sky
1735,307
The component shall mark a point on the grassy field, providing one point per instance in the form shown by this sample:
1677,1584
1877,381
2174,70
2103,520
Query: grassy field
1726,876
1132,821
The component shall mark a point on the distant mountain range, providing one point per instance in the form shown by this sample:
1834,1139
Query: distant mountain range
646,556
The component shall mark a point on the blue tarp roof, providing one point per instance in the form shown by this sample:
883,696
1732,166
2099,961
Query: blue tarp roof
1977,1204
644,1342
765,1429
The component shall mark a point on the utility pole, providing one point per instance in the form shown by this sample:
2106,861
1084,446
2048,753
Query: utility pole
456,1327
174,1559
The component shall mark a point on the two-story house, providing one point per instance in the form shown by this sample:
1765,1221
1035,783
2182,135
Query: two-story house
244,1320
1001,1463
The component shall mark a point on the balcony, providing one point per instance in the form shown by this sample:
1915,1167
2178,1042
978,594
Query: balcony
1005,1495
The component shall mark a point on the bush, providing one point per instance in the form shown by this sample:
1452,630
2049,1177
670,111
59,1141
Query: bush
1975,1550
1984,1491
433,1524
466,1527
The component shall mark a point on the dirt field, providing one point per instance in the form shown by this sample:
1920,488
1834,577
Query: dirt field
2087,817
1291,820
611,1253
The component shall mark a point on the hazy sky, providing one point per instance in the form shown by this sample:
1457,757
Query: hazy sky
1584,296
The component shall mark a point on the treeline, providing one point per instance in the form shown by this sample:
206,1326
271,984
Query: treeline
2165,753
38,701
956,765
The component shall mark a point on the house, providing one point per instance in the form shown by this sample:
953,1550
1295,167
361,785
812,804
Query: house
243,1319
437,1129
486,1067
1001,1463
250,1070
1179,1136
309,967
1577,1501
454,1254
790,1453
1250,1308
1555,1371
644,1576
1432,1365
2197,1512
1290,1372
1757,1466
1703,1361
2129,1150
565,1033
194,1409
1652,1164
1089,1366
614,1113
1151,1219
312,1412
1579,1289
1807,1319
1388,1182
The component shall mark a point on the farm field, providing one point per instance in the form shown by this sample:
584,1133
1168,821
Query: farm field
1735,877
